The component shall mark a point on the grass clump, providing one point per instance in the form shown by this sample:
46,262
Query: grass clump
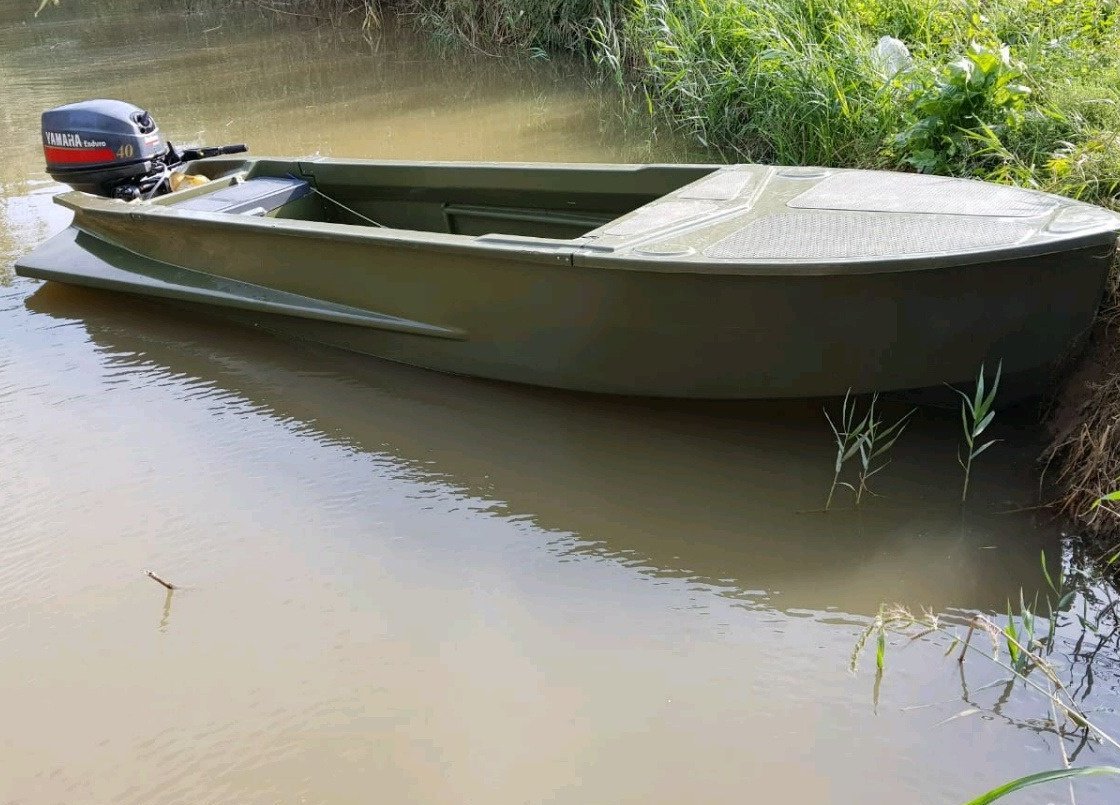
537,28
768,81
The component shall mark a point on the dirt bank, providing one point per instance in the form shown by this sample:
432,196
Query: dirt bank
1082,463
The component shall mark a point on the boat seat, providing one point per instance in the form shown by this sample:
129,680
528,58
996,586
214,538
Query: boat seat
258,196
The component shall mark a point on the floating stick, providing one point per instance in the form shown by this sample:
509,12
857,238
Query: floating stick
154,577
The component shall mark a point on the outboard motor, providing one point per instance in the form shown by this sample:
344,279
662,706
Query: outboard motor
113,149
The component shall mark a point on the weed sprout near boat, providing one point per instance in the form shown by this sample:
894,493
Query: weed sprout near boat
869,439
976,415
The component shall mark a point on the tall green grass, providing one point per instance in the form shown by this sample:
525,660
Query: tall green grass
1024,91
502,27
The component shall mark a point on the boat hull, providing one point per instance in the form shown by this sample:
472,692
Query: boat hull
537,318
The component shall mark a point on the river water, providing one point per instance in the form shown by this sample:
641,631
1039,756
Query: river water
401,586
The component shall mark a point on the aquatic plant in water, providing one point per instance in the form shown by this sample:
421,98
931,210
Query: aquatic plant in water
866,437
976,415
849,436
1081,625
1027,657
878,440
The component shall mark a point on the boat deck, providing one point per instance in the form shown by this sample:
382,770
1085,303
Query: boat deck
688,218
752,214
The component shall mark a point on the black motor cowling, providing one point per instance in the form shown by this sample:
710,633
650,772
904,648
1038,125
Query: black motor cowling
112,148
96,146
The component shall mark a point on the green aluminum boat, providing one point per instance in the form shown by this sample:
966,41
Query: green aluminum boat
700,281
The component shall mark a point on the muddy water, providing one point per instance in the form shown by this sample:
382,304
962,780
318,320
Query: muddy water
399,586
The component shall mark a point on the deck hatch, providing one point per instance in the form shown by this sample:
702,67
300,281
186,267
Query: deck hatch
723,185
853,236
873,191
660,215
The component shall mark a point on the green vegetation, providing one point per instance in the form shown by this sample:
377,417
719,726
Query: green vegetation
849,436
1002,791
534,27
977,413
869,438
1023,91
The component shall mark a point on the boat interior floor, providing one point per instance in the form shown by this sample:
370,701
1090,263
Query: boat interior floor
542,203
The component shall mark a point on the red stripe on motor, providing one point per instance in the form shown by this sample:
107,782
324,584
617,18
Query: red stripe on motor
77,156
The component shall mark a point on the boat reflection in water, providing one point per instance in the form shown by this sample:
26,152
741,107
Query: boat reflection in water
722,494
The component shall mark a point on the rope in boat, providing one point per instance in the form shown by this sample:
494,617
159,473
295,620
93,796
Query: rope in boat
348,209
354,212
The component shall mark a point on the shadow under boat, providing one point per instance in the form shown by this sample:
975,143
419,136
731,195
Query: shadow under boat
718,493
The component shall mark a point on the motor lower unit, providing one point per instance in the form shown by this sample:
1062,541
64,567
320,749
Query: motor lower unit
114,149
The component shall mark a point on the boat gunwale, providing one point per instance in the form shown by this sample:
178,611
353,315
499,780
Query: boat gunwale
581,251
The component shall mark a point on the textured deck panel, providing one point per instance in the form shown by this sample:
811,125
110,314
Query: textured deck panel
723,185
822,236
660,215
867,191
